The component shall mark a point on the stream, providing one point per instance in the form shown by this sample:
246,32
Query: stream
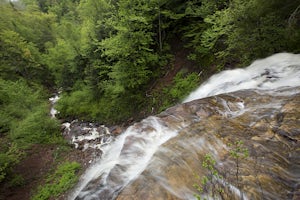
160,157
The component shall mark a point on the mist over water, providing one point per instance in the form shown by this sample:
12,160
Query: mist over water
140,154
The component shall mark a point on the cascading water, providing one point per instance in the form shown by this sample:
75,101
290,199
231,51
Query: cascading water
84,136
53,101
158,157
125,159
279,70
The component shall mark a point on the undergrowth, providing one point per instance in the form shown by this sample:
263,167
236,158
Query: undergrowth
60,181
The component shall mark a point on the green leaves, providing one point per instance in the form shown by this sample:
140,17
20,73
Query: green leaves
182,84
129,50
213,184
19,57
239,31
24,114
37,127
17,100
60,181
237,150
8,160
210,183
208,162
23,37
24,121
116,48
77,103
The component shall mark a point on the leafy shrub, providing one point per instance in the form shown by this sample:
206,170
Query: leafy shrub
212,184
63,179
36,127
8,160
78,103
16,180
181,86
82,104
16,100
24,114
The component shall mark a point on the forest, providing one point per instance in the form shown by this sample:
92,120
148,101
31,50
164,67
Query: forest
108,57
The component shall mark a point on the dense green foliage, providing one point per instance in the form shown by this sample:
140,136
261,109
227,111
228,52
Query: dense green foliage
246,30
8,159
24,120
24,114
24,109
181,86
60,181
107,55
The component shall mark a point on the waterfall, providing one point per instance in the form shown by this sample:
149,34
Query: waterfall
126,158
279,70
157,157
53,100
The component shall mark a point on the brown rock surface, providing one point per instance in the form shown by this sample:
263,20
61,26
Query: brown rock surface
269,126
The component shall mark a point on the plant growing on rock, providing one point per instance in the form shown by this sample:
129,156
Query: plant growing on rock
210,183
214,184
238,153
60,181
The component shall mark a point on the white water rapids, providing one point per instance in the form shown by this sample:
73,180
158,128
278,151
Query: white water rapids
126,158
279,70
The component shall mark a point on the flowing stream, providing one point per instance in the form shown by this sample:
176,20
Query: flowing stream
158,157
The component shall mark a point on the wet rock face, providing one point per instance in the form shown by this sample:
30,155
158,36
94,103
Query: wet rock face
158,157
268,124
